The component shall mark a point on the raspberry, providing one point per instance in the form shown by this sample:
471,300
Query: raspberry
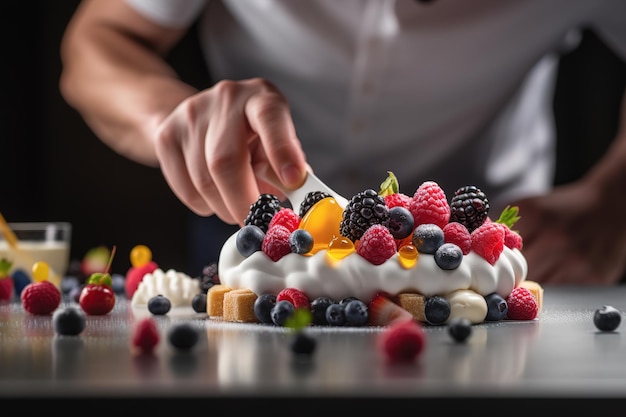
512,239
285,217
397,199
403,341
455,232
522,305
294,296
429,205
146,335
488,241
377,244
276,242
40,298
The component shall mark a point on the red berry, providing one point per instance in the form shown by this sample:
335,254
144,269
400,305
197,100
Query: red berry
276,242
403,341
512,239
40,298
397,199
97,299
146,335
134,276
457,233
522,305
294,296
285,217
377,244
488,241
6,288
429,205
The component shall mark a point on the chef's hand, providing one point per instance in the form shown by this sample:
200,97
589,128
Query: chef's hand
575,235
217,146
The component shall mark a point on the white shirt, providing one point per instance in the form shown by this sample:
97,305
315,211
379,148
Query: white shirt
455,91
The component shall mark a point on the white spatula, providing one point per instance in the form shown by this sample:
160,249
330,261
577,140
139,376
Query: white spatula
312,183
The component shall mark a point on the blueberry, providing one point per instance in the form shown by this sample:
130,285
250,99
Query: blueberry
497,307
303,344
198,302
436,310
159,305
281,312
427,238
448,256
356,313
263,307
607,318
346,300
74,294
336,314
118,284
20,280
300,241
318,309
249,239
401,222
183,336
460,328
69,321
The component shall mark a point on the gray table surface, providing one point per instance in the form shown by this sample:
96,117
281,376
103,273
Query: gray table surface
561,354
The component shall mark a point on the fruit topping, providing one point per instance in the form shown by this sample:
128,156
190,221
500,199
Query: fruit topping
263,308
365,209
262,211
469,206
400,222
294,296
276,242
310,200
285,217
249,240
141,264
429,205
522,305
497,307
427,238
437,310
282,311
448,256
377,244
455,232
97,296
301,241
488,241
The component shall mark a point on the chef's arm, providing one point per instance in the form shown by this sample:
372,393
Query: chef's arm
115,75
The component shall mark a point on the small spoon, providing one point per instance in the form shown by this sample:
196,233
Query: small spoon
312,183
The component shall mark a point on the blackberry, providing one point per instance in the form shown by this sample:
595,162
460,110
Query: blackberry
262,211
365,209
469,206
209,277
309,201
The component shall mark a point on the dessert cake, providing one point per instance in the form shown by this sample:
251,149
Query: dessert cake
385,255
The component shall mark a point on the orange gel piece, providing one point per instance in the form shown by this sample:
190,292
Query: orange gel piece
407,255
322,222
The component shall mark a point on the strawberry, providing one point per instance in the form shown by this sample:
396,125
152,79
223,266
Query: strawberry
294,296
457,233
488,241
285,217
377,244
146,335
522,304
429,205
97,296
382,311
40,298
95,260
276,242
6,280
402,341
135,275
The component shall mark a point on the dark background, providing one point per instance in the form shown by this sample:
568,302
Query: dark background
54,168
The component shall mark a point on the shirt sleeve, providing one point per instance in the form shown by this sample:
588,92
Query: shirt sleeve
172,13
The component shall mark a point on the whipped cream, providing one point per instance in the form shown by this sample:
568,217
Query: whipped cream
177,286
321,275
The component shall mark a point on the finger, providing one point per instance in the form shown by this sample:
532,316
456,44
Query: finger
269,117
174,168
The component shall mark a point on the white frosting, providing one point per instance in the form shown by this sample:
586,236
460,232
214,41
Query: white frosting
178,287
320,275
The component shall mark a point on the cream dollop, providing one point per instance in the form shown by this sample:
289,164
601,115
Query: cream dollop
321,275
177,286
